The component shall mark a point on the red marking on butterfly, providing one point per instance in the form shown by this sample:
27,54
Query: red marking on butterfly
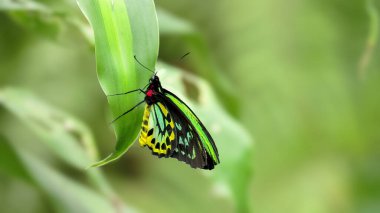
149,93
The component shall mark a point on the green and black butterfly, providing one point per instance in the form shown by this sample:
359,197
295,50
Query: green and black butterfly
171,129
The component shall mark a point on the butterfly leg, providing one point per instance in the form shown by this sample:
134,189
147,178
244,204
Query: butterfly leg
145,87
125,93
135,90
127,111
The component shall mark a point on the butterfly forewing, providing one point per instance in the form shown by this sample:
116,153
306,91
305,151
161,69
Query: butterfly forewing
199,147
188,148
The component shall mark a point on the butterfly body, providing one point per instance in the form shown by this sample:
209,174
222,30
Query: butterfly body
171,129
153,90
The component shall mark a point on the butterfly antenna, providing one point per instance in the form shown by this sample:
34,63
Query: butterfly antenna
143,65
185,55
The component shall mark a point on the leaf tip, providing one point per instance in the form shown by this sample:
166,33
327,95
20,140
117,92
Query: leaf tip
112,157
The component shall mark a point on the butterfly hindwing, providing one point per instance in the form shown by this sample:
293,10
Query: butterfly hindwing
158,130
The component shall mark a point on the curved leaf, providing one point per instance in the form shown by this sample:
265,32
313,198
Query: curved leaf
123,29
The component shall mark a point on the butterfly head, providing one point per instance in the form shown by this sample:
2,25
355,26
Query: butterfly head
154,78
154,83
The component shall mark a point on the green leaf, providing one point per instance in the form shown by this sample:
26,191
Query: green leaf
69,139
121,33
48,18
36,17
61,132
73,197
9,162
235,146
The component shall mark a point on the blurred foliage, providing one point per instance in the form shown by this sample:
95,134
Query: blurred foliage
201,58
68,139
302,76
234,174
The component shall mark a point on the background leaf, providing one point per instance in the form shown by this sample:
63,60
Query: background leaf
233,174
73,197
62,133
10,163
68,139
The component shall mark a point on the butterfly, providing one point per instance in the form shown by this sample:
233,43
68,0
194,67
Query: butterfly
171,129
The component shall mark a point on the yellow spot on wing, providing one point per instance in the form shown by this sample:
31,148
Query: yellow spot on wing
163,108
172,136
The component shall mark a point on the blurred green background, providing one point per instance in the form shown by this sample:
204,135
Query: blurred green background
301,77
